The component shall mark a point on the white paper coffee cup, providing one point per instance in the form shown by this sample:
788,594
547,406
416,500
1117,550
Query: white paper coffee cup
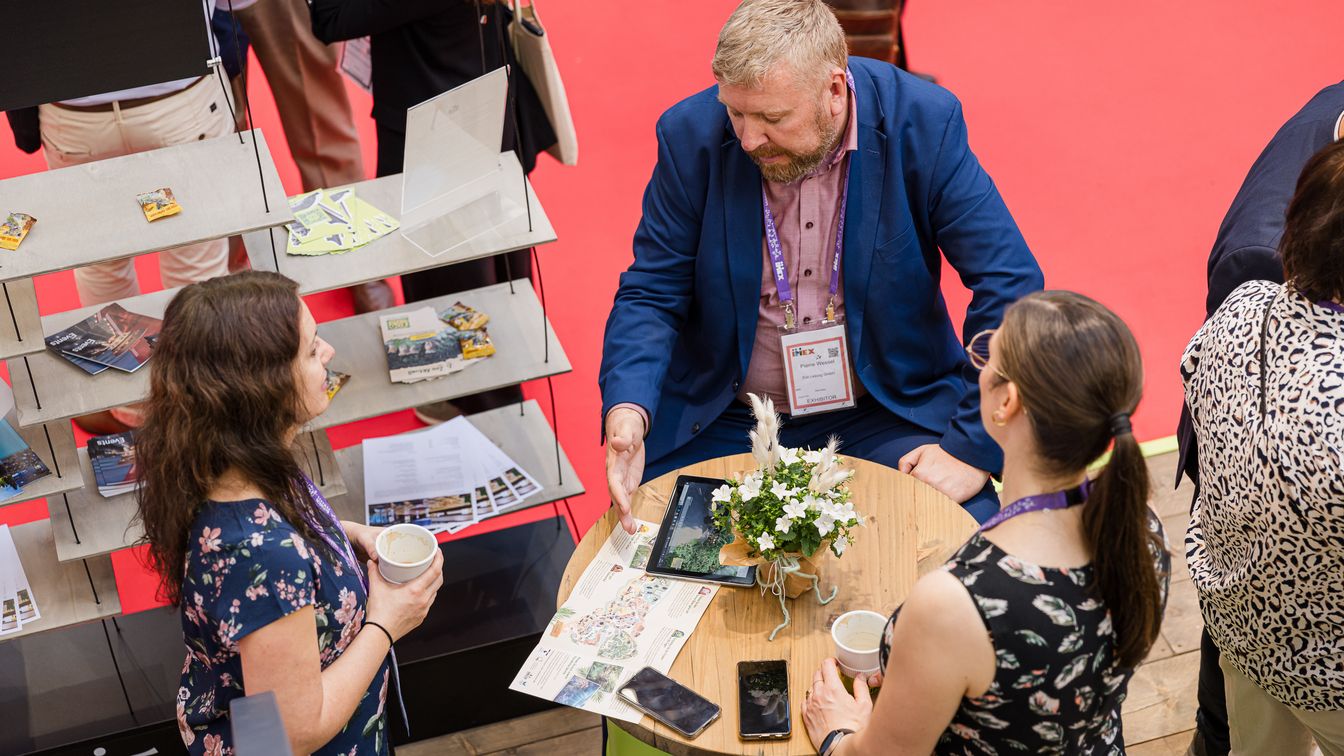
405,551
858,639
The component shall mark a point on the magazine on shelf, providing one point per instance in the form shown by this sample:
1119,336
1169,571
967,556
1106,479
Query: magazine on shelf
419,346
113,460
113,336
334,221
19,464
445,478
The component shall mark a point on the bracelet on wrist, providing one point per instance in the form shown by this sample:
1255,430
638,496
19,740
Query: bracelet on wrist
380,627
832,740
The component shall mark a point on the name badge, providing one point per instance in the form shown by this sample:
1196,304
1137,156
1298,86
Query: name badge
816,369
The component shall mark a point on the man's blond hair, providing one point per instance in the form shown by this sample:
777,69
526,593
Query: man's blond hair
761,33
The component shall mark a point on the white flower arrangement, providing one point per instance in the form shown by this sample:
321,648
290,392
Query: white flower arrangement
795,503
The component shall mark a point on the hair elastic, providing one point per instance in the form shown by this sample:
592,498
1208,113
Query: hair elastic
1120,424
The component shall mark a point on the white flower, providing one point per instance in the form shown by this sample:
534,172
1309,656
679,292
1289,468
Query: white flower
722,495
765,542
780,490
840,545
782,525
811,456
750,488
813,503
795,509
824,523
788,456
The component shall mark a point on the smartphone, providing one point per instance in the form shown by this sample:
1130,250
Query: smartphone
763,700
669,702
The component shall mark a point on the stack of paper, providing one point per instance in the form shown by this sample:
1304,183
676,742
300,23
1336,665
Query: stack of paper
334,221
422,344
113,460
19,464
444,478
112,337
17,605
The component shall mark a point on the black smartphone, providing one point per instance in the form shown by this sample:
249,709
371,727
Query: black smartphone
763,700
669,702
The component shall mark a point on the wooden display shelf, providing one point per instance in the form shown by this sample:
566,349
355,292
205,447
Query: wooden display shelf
88,213
519,430
393,254
54,444
62,591
102,524
64,391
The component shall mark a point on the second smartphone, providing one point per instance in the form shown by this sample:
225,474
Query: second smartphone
763,700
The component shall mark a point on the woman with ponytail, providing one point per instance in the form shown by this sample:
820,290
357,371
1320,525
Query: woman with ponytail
1026,640
1263,380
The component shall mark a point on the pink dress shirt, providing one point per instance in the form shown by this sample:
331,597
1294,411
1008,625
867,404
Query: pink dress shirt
806,215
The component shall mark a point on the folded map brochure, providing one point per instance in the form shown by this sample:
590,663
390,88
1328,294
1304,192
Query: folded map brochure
335,380
112,337
445,478
422,344
15,227
159,203
333,221
18,607
618,620
113,460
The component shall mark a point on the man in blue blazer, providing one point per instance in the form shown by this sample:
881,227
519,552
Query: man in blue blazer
857,160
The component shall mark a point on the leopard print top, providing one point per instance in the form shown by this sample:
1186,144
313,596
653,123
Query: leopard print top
1266,539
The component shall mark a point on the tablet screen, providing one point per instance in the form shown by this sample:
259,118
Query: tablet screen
689,542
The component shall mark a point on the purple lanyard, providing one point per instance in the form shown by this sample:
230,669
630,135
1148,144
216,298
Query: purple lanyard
1333,306
777,264
1039,503
338,541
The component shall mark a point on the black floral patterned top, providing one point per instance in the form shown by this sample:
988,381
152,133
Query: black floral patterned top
1058,688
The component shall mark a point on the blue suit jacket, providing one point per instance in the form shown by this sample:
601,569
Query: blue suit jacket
681,331
1247,247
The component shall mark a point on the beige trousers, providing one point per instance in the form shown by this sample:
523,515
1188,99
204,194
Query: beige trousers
72,137
309,92
1260,724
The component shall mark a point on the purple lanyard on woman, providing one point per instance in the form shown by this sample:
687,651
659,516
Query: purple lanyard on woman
1039,503
340,545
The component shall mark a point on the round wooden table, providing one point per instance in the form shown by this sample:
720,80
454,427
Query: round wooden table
911,529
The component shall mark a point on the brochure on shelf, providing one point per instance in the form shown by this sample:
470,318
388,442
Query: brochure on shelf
19,464
334,221
113,460
444,478
618,620
18,606
112,337
455,187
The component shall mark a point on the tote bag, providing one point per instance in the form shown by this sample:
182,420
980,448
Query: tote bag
532,48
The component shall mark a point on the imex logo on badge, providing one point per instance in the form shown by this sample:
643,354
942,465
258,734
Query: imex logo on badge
802,351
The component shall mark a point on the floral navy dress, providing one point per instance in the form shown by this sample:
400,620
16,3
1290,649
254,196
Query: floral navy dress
1058,687
247,567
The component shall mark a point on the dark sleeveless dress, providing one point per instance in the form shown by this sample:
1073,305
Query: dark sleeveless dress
1058,688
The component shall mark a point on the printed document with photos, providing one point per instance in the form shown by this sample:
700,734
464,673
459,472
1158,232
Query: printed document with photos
618,620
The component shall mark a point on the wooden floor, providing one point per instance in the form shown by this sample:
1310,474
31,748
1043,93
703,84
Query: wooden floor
1159,713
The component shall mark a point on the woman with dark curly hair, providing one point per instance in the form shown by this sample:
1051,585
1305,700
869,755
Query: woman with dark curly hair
269,581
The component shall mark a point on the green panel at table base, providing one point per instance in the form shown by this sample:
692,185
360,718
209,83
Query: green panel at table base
622,743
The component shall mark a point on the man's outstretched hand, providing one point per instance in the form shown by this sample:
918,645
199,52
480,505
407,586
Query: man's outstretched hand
625,460
931,464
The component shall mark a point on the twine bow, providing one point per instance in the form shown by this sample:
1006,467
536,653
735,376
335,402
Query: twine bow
783,568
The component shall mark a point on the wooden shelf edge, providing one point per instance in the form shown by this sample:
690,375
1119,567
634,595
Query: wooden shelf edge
111,388
54,443
103,524
62,591
526,437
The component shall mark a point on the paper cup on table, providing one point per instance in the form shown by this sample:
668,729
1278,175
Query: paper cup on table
405,551
858,637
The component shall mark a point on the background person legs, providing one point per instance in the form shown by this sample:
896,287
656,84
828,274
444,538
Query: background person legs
1260,724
